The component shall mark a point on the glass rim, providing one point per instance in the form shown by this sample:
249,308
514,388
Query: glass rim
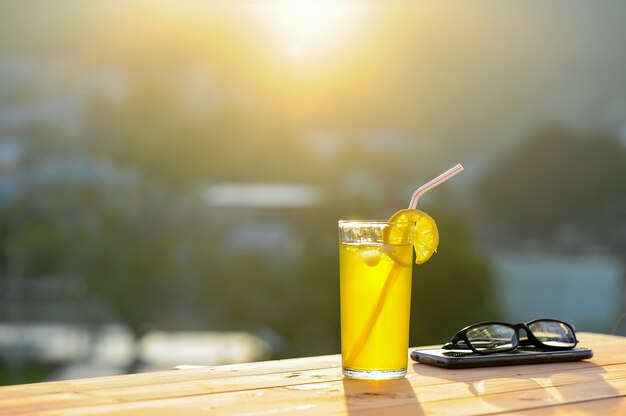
372,222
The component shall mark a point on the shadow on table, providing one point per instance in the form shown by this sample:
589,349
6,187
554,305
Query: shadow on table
376,397
500,388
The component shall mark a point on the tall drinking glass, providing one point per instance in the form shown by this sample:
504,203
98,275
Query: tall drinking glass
375,267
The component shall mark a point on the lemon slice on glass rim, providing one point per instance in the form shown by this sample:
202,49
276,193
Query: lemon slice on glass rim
426,237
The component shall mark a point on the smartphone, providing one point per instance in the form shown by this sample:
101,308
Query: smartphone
468,359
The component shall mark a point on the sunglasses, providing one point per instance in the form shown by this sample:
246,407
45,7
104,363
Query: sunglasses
492,337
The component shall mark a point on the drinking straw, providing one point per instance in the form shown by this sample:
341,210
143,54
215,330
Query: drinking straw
434,182
393,274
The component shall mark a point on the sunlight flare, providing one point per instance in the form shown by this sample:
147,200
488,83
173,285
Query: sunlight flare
303,28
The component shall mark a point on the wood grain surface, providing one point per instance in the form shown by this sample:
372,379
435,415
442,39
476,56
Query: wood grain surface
314,386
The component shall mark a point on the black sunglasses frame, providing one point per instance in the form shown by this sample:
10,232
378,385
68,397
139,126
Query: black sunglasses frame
532,339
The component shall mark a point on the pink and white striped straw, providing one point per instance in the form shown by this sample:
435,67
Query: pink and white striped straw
432,183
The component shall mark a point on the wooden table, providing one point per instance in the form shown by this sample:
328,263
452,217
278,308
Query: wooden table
314,386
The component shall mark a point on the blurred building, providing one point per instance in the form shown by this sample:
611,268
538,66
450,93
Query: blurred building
51,91
585,291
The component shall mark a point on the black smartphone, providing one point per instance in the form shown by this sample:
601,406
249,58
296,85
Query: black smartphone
468,359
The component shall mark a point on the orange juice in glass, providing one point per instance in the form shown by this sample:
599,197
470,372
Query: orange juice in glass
375,268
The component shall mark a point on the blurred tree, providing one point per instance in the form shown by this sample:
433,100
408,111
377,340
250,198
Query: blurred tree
127,253
43,221
122,241
556,178
293,297
452,289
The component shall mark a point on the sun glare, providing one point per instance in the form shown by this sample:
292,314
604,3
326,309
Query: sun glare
305,28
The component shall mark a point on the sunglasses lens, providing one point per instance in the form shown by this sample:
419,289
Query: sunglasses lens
553,334
492,337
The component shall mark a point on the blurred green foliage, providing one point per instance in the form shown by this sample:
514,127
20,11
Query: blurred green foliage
454,288
558,178
32,373
128,254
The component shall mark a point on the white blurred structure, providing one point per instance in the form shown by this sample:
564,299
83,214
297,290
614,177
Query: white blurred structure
587,292
108,349
262,195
